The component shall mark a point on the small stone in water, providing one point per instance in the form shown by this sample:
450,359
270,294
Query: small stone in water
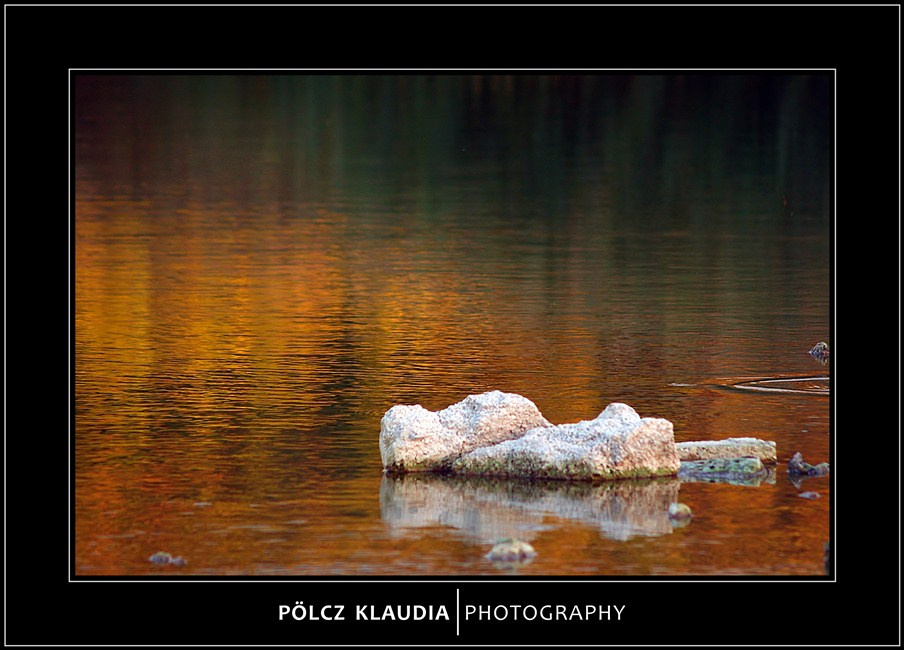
797,465
821,352
162,557
809,495
679,511
511,550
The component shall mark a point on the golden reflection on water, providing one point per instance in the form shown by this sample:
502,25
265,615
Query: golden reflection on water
241,328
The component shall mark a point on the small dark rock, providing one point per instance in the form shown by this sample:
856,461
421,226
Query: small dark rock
797,466
820,352
162,557
820,470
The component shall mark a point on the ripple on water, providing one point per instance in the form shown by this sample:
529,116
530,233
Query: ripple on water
810,385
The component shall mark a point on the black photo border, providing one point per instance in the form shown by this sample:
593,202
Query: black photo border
858,604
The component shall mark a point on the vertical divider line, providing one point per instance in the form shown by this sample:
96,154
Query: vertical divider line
456,611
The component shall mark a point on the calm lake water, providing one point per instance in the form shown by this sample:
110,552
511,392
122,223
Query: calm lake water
265,265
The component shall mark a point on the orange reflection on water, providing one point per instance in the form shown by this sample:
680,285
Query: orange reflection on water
255,285
236,370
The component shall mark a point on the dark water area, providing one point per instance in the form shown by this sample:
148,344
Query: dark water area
265,264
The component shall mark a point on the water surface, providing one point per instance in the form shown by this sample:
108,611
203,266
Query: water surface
265,265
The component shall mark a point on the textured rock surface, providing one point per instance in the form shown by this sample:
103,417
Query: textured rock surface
415,439
504,434
728,448
687,474
721,468
617,444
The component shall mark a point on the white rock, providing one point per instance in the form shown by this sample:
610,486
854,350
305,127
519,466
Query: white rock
415,439
504,434
617,444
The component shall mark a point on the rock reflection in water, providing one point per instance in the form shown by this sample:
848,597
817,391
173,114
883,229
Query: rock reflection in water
487,509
